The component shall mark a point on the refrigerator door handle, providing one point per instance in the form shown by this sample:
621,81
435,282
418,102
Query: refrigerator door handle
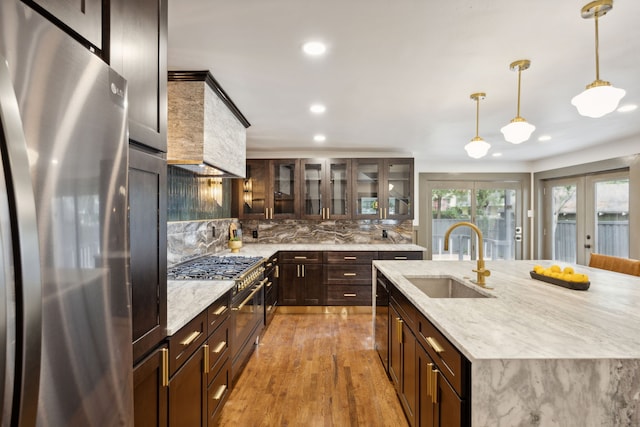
26,252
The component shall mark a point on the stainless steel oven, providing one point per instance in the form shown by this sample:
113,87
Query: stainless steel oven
247,313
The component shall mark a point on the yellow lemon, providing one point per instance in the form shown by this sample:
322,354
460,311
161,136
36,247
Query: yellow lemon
585,278
538,269
555,268
568,270
567,277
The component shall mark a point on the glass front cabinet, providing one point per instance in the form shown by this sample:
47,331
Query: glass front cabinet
269,190
325,188
382,188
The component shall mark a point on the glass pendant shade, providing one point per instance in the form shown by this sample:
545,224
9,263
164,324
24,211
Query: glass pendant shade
599,100
477,148
518,131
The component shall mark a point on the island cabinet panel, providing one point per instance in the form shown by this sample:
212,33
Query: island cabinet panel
403,344
400,255
301,281
150,393
347,277
82,19
138,51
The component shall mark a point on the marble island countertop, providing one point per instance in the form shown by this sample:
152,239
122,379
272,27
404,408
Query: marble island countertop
540,354
265,250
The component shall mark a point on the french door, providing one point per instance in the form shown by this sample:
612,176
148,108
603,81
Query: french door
586,214
494,207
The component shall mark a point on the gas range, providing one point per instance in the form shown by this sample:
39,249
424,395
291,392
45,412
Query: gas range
244,270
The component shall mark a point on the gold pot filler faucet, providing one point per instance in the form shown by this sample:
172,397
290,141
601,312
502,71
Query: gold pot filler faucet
481,271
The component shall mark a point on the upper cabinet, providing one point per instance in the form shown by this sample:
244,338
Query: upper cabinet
269,190
325,188
82,19
138,46
382,188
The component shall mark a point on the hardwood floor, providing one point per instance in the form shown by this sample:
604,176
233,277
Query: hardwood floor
314,370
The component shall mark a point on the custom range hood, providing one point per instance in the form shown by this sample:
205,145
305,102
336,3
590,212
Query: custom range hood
206,131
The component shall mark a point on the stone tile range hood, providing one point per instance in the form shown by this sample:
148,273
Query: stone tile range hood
206,131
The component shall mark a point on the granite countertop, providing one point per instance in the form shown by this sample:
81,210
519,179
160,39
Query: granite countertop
527,318
188,298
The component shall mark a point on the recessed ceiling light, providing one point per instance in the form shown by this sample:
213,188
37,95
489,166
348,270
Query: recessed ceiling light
314,48
627,108
319,138
497,154
317,108
543,138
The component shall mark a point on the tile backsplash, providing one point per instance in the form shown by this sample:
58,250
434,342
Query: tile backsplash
190,239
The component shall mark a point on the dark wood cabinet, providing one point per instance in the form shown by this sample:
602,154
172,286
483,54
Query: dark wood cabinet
199,367
148,250
402,357
301,278
400,255
325,188
382,188
138,51
272,273
81,19
347,277
150,392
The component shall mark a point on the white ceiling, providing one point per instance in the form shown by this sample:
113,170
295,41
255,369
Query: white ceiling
398,73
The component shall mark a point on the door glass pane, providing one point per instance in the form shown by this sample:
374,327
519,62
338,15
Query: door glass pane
450,206
367,176
338,190
563,222
284,188
399,195
496,218
254,190
612,217
312,189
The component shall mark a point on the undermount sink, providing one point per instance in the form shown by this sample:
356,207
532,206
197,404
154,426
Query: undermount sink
445,287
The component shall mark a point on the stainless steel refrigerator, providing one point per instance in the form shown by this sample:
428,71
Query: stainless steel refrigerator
65,322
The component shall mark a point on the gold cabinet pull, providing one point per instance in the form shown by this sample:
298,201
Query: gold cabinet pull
269,284
350,257
219,347
220,310
399,329
298,270
299,257
206,358
165,367
269,265
220,392
435,345
191,338
277,275
349,274
400,257
429,378
303,272
350,295
434,387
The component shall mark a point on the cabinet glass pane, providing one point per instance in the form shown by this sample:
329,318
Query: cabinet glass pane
367,179
399,195
284,188
312,196
254,191
338,188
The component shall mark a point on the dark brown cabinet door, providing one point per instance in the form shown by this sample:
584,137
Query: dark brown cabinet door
80,18
395,346
148,248
150,395
253,192
138,51
187,393
301,284
325,188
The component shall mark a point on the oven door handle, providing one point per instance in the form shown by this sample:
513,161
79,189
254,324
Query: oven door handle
247,299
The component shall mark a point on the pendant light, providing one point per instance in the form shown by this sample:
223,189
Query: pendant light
478,147
519,130
599,98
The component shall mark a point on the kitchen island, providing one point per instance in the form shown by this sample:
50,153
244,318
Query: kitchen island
540,354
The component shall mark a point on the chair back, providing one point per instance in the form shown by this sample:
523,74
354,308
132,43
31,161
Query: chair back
617,264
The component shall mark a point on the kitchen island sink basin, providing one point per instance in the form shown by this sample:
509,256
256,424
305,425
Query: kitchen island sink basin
445,287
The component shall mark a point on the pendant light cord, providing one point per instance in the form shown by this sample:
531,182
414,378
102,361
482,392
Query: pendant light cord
519,76
477,116
597,50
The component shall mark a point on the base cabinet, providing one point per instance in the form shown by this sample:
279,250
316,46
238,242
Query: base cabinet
301,278
431,377
150,394
187,391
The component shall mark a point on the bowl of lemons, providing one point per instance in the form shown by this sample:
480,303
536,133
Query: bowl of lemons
566,277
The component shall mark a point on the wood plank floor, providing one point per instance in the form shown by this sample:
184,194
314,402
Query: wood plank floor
314,370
